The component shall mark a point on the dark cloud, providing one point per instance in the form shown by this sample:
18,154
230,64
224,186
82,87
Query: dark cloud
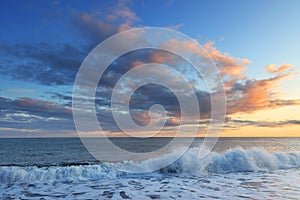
31,114
43,63
271,124
56,63
96,27
59,96
35,107
90,27
151,94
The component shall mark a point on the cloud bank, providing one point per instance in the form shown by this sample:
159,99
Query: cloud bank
55,64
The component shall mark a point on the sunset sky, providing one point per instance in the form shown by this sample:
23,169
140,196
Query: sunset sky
255,44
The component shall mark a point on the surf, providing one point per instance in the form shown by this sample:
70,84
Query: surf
231,161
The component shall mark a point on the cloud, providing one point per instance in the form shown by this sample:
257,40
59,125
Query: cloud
56,64
243,94
52,64
43,63
236,123
228,65
35,107
97,27
250,95
32,115
93,29
272,68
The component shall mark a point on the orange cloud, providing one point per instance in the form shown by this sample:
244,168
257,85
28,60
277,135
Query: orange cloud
163,57
243,93
141,118
122,11
136,63
253,95
282,68
173,121
228,65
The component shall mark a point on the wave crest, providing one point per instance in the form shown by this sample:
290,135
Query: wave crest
233,160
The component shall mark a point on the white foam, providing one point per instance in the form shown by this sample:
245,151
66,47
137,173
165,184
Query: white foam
234,160
245,185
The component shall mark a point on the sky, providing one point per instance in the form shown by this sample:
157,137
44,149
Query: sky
255,45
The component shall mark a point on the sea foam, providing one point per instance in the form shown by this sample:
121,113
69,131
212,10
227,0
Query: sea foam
230,161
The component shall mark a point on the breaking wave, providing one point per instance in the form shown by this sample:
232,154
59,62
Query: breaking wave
230,161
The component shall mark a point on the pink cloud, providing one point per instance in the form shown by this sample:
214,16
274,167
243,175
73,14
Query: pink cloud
228,65
253,95
272,68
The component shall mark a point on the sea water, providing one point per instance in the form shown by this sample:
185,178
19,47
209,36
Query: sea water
237,168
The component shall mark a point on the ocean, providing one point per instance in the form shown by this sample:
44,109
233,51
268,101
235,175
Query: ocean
237,168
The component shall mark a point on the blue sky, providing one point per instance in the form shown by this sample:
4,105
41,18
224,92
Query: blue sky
42,44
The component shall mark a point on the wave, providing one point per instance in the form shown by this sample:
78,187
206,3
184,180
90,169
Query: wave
233,160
